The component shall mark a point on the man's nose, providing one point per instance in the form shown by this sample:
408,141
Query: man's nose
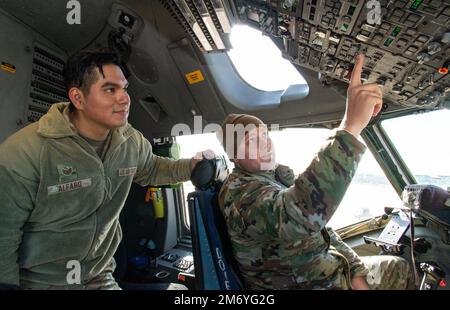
123,97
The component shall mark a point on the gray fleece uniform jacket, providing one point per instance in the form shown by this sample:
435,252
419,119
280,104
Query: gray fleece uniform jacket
60,202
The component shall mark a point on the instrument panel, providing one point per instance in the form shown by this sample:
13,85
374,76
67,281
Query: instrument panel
406,43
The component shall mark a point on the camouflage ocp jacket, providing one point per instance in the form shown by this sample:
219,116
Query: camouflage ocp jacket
59,202
278,230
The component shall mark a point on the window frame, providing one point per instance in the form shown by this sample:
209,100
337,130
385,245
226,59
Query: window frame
240,94
379,142
387,156
409,176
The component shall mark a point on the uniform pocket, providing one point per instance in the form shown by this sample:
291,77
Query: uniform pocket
68,201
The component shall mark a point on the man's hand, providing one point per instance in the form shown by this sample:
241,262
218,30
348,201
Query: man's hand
360,283
284,175
363,101
208,154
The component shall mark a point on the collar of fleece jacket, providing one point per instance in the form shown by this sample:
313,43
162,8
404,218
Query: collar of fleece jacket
55,124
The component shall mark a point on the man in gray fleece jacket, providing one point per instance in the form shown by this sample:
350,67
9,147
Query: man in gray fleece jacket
65,178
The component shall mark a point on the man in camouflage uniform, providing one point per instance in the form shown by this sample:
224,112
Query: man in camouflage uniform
277,224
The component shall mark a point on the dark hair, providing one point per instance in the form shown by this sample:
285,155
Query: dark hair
79,70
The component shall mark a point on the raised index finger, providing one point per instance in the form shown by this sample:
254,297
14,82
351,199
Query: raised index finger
355,80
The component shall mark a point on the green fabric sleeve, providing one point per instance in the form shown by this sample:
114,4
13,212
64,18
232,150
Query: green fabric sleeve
156,170
16,204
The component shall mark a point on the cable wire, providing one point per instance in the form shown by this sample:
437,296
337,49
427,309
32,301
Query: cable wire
413,260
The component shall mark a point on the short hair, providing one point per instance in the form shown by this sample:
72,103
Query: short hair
79,70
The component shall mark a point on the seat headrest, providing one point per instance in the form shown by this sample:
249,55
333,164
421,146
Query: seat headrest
209,172
424,196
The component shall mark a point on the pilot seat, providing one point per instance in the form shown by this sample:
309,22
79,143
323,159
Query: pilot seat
215,266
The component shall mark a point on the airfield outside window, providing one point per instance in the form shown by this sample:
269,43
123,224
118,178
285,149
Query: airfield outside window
368,194
189,146
422,142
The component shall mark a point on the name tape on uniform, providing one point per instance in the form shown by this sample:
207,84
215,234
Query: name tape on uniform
67,187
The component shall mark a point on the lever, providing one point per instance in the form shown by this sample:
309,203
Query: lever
397,247
432,271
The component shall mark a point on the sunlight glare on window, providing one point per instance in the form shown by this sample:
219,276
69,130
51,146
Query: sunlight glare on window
189,146
259,62
368,193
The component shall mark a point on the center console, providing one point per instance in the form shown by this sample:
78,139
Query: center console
176,265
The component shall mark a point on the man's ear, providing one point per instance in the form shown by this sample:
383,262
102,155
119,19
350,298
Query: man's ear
77,98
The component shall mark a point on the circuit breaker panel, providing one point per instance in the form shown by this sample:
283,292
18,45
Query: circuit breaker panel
46,84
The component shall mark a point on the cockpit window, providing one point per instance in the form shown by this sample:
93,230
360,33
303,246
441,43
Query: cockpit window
368,193
189,146
259,62
422,142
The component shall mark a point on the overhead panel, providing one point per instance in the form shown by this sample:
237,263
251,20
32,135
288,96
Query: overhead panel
206,21
406,42
219,8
